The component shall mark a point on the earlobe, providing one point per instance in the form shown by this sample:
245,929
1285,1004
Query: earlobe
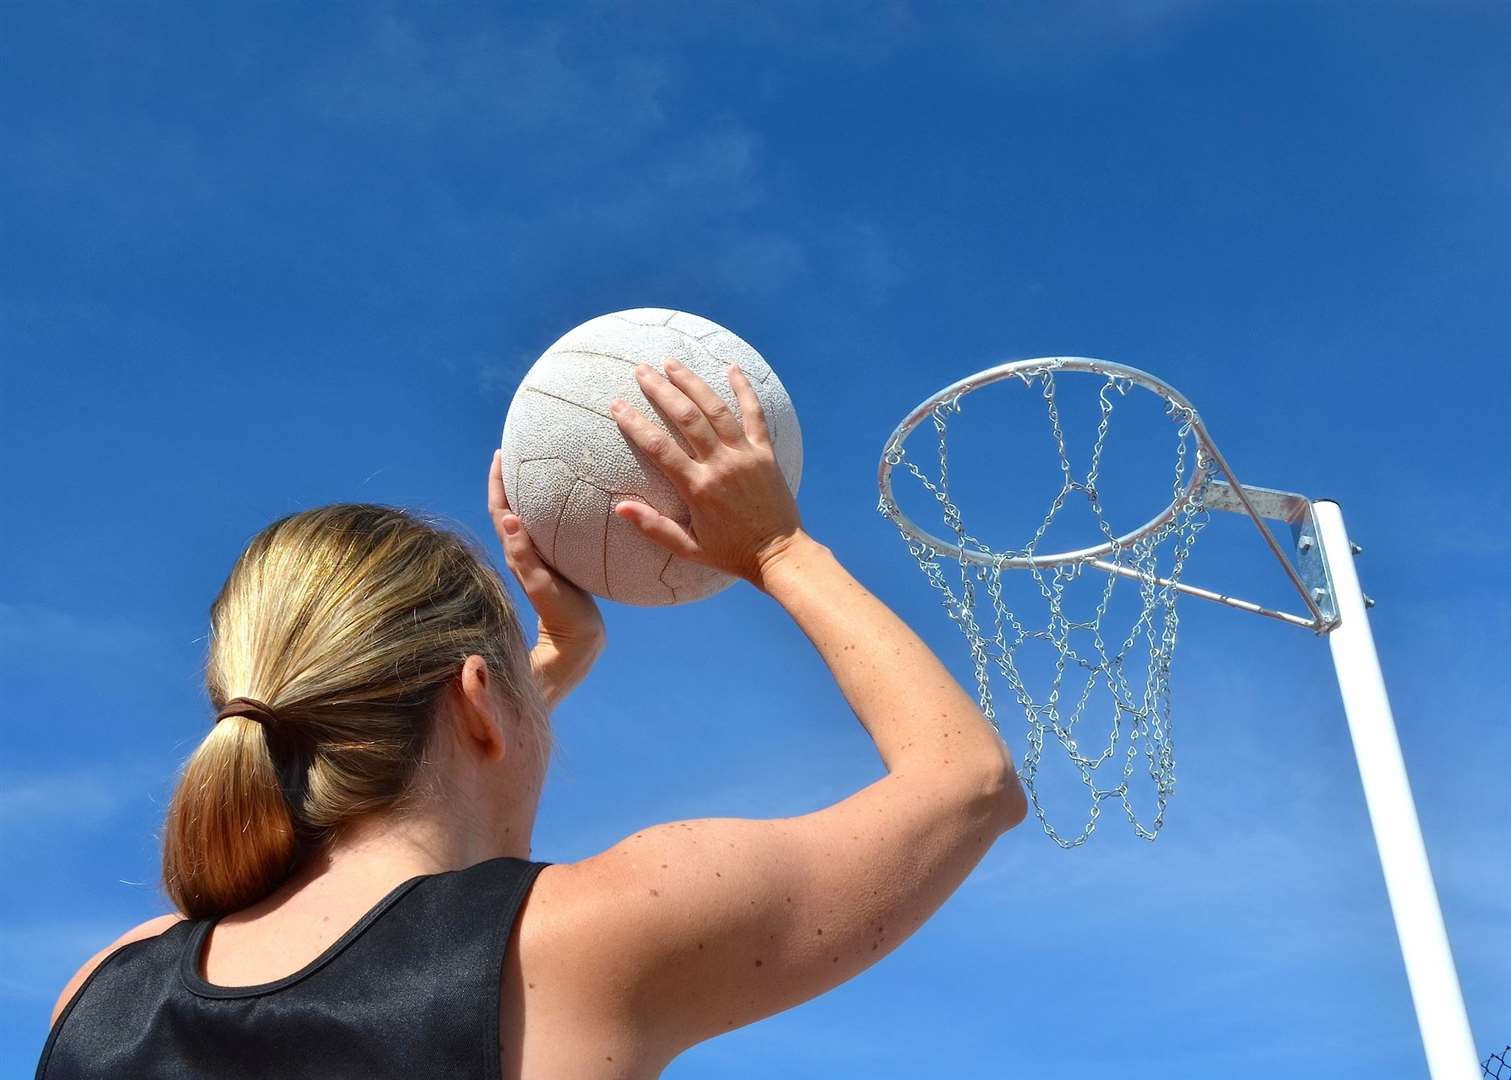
479,719
490,740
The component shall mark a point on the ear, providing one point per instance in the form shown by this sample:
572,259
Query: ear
479,727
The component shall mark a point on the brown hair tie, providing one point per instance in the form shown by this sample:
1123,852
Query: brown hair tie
250,708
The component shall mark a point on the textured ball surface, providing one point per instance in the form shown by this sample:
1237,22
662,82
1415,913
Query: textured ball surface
566,464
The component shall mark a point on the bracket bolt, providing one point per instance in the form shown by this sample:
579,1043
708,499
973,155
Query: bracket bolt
1304,543
1369,601
1357,549
1319,594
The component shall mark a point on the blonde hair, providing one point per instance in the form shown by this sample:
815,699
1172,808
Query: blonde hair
351,622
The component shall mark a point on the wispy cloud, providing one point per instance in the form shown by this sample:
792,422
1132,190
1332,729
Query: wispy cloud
82,795
659,184
485,79
853,32
89,794
861,32
1098,22
26,629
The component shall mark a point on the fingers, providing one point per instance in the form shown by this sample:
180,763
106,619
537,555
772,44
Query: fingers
518,549
655,443
680,409
750,407
541,584
720,416
524,560
659,528
496,497
498,500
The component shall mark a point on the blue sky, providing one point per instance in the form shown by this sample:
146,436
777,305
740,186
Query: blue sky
264,257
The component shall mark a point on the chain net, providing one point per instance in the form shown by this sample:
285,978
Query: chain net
1498,1065
1140,719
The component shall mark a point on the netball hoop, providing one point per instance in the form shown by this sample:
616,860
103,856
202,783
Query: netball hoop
1088,662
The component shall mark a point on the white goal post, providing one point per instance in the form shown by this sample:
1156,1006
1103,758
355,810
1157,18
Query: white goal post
1393,815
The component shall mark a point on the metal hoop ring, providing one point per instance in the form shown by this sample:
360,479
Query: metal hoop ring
1027,370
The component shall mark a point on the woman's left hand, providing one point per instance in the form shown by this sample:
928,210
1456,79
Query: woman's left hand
571,632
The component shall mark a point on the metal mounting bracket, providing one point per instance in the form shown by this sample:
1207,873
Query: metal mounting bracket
1308,572
1308,556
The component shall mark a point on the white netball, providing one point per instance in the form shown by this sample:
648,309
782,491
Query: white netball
566,463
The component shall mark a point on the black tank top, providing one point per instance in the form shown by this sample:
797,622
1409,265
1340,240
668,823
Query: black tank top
411,990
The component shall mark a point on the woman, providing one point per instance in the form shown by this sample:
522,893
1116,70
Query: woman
349,847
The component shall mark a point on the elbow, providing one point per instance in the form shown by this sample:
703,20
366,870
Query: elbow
1009,802
1018,803
991,797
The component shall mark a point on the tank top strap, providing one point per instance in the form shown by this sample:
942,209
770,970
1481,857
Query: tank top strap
461,919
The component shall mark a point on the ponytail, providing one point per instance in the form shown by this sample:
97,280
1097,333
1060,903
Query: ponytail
230,837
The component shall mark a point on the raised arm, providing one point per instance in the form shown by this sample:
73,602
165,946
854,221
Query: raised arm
702,926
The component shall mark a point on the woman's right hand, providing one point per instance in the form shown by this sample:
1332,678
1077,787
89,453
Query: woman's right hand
744,517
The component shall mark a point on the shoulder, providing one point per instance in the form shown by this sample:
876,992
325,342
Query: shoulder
150,928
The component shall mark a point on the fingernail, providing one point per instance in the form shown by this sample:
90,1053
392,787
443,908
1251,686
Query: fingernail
672,365
615,405
511,525
642,369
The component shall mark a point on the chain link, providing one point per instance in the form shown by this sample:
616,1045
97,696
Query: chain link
1140,720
